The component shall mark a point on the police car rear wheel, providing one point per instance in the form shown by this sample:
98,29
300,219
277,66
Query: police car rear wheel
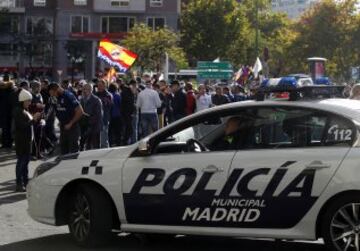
90,219
341,224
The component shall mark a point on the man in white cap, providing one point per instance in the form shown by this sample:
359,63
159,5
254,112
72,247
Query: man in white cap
23,138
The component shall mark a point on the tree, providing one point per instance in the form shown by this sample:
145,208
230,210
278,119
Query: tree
328,30
275,33
277,37
151,47
227,29
215,28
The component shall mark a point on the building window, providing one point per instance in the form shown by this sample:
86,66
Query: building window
80,24
80,2
40,3
156,3
39,26
9,24
11,4
8,53
41,54
117,24
156,22
120,3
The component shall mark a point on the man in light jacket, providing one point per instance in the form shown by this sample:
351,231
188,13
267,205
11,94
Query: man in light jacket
148,102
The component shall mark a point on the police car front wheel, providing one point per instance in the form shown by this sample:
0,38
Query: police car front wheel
90,218
341,224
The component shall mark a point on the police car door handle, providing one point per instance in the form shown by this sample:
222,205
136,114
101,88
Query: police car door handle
318,165
212,169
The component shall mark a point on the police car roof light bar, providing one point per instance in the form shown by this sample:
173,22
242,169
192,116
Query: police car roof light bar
305,92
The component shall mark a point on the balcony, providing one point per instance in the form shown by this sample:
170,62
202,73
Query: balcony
12,6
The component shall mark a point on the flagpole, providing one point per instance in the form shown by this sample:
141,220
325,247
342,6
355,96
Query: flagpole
166,70
257,27
110,74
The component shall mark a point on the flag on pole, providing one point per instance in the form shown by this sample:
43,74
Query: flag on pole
116,55
257,67
162,77
238,74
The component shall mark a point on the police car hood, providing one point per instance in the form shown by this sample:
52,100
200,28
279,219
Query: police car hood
119,152
101,153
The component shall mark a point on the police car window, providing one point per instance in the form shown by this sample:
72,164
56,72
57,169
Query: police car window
199,131
340,132
203,131
279,128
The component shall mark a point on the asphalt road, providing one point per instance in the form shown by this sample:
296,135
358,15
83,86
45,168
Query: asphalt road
18,232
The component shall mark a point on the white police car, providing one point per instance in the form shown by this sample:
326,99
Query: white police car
286,170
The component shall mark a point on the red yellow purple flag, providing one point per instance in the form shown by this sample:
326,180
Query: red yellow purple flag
116,55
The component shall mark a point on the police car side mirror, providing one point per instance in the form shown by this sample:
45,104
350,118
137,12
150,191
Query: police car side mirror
144,147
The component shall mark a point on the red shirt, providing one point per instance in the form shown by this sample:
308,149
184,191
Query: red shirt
190,103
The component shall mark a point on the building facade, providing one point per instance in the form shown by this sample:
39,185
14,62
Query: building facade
293,8
59,38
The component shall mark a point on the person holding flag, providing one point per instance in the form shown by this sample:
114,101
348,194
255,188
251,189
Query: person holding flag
117,57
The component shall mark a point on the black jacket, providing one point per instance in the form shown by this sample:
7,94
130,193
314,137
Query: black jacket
179,103
94,109
127,101
219,99
8,100
23,131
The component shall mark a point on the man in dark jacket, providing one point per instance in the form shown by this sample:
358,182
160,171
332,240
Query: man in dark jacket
179,101
23,138
37,105
115,127
239,94
69,112
107,102
128,112
219,98
49,114
91,122
7,93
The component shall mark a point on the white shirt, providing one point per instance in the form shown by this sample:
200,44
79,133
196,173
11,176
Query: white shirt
148,101
203,102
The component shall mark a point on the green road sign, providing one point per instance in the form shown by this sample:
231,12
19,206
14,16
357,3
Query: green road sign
212,70
214,75
207,65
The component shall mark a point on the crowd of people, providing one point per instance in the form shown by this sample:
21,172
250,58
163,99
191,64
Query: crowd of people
99,113
95,114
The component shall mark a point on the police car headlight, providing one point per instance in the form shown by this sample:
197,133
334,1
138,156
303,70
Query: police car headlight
52,163
45,167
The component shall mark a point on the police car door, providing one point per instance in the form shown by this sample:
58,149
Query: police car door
174,187
291,157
